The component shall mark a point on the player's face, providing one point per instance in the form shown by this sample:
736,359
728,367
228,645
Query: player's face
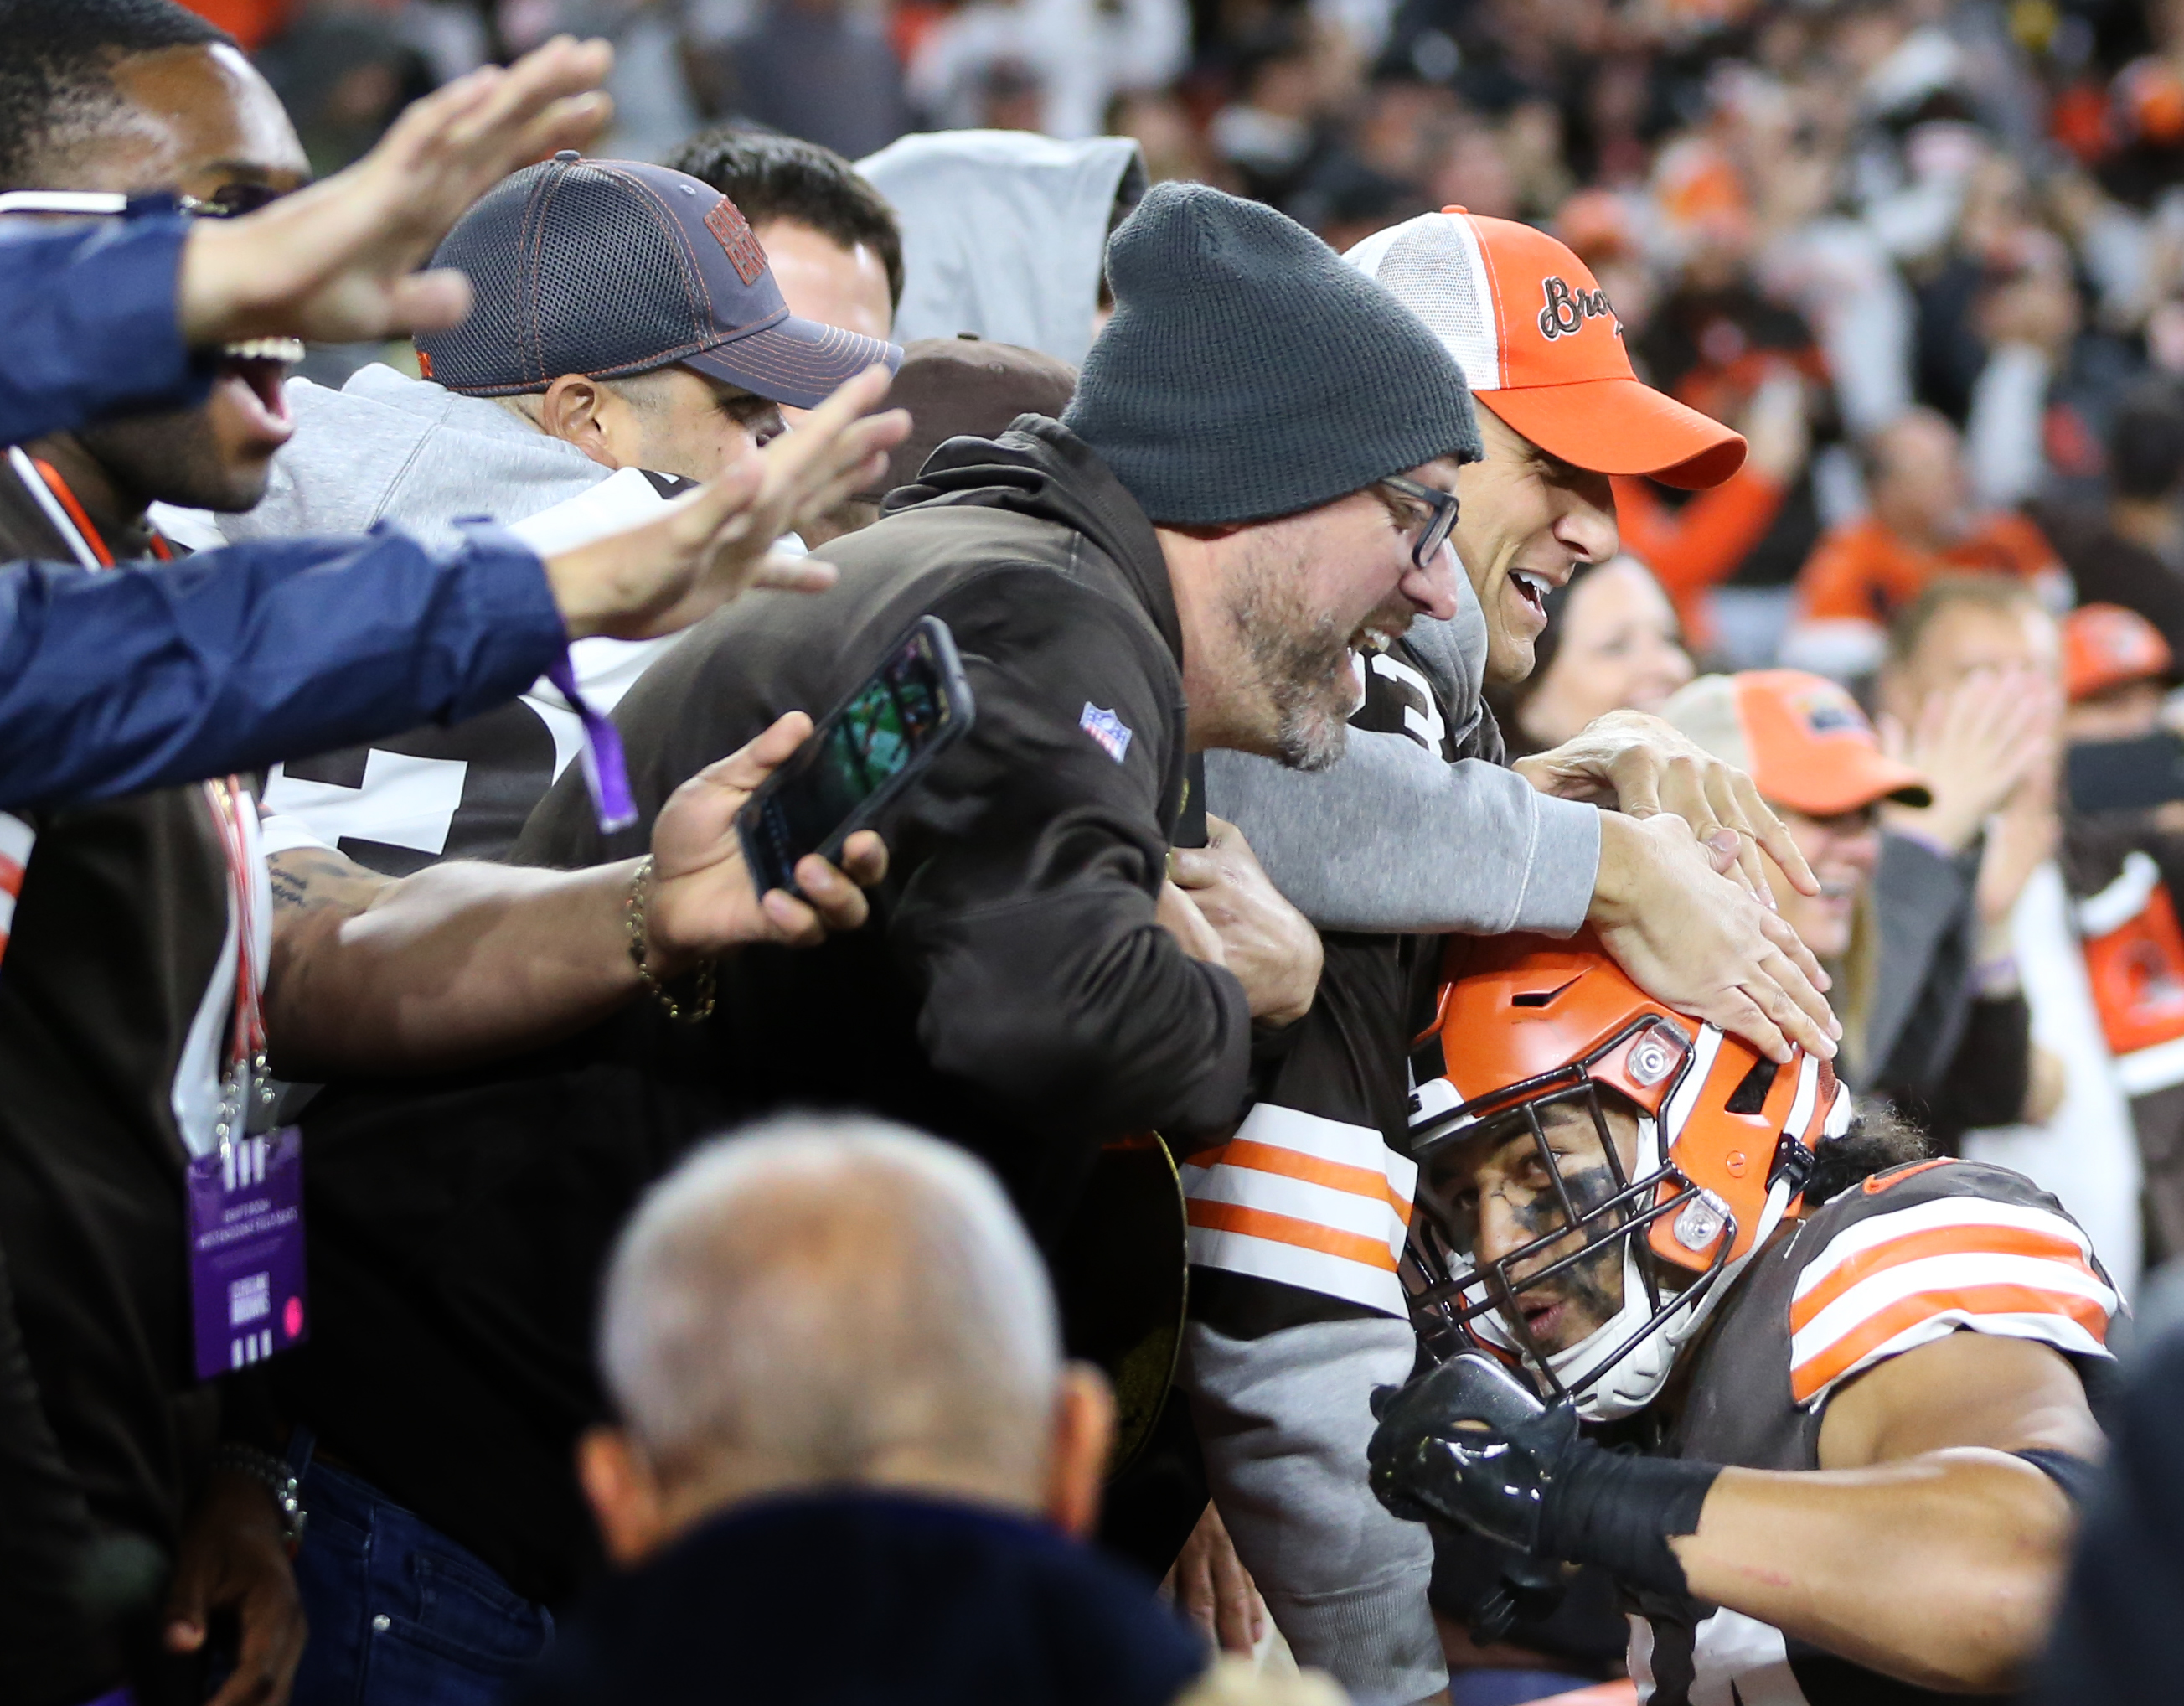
1529,519
1497,1195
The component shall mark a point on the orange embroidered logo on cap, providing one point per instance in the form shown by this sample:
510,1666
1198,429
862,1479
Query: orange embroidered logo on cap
726,222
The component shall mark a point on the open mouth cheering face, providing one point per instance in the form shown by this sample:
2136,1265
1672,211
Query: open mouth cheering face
1532,1206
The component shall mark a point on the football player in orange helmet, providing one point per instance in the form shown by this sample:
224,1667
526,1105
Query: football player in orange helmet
1860,1377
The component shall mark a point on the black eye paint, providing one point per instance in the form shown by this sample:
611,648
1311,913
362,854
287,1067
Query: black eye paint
1595,1285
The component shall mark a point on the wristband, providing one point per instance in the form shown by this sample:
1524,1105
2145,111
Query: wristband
2075,1476
276,1478
1620,1511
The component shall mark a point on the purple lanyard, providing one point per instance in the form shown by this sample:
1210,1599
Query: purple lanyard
606,771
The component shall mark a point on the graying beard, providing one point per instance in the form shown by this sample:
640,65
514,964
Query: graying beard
1298,671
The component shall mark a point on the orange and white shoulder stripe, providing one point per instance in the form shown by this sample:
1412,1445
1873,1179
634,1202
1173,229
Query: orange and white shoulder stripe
1307,1200
15,839
1896,1281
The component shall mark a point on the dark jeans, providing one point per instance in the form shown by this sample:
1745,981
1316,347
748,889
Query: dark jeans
400,1615
1509,1687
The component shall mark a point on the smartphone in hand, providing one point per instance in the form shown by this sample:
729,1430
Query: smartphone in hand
864,754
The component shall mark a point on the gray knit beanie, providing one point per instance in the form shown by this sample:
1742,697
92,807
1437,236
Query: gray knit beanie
1249,373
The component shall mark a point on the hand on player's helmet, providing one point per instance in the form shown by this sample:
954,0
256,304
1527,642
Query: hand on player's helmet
1465,1443
1696,942
1643,767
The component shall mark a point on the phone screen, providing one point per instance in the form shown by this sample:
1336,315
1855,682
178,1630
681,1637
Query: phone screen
869,741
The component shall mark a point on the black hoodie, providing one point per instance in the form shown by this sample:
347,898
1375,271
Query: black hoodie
1014,991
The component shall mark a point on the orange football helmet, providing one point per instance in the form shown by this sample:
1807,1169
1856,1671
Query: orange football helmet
1726,1141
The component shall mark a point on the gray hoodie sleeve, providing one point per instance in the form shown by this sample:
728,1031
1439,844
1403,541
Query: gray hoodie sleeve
1394,838
1283,1421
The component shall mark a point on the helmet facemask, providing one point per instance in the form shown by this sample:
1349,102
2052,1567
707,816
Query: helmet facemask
1589,1211
1674,1244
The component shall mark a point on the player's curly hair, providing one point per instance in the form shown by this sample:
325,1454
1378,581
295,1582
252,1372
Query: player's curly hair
1878,1140
56,61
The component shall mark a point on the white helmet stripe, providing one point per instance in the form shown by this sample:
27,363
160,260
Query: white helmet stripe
1680,1105
1808,1090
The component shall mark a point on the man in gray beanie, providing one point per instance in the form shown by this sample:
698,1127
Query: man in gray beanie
1192,568
1251,481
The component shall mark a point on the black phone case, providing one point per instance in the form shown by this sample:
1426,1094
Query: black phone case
2132,775
963,709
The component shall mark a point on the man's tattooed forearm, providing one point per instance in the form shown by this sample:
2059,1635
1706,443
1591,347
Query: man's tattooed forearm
309,879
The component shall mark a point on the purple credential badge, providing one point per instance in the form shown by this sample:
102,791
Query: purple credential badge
606,771
246,1250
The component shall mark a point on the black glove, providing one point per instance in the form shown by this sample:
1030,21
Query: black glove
1523,1587
1466,1442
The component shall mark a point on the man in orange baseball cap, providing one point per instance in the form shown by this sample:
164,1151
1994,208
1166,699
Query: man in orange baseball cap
2115,673
1420,830
1561,409
1817,761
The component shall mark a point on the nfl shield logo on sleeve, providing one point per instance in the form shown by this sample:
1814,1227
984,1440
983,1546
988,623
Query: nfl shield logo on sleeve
1107,728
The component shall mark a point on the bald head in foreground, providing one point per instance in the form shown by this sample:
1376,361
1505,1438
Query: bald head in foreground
851,1459
824,1304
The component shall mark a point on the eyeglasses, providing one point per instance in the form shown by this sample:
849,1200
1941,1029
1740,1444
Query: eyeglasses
1440,521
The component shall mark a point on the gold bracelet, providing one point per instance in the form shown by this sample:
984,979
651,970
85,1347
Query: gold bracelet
706,985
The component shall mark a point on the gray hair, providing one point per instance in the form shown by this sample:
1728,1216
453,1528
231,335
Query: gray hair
818,1293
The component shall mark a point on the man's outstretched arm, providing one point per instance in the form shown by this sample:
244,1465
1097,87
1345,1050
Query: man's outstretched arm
461,962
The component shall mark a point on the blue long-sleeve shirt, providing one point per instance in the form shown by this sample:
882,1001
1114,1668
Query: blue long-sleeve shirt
89,314
147,677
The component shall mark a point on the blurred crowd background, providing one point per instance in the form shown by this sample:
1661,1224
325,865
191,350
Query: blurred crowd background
1930,257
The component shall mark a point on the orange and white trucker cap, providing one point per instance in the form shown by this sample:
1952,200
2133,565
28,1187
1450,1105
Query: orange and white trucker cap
2106,646
1542,347
1802,739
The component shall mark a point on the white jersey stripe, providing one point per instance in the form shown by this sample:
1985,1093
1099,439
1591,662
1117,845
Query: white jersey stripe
1927,1217
1322,1226
2058,1331
1941,1275
1326,1139
1300,1199
1291,1264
